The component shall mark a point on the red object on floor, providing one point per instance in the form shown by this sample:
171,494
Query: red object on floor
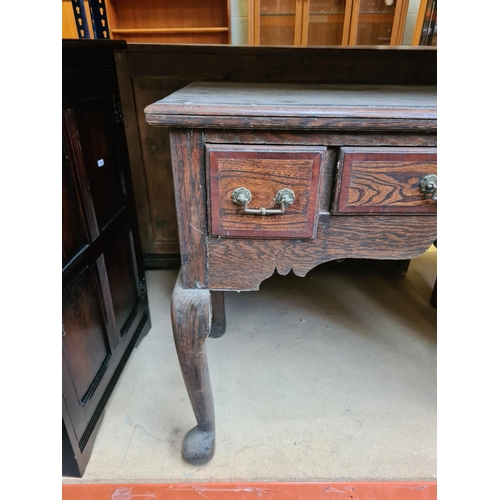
254,491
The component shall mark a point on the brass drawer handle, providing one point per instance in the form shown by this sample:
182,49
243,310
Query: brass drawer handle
429,185
242,196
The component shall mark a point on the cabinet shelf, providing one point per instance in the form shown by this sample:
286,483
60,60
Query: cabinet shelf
145,31
169,21
268,14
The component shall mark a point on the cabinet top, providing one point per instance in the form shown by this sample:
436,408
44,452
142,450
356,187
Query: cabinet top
207,103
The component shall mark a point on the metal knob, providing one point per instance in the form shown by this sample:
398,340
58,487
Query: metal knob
428,185
242,196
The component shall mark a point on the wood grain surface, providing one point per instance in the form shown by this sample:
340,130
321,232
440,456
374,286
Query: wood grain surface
264,170
318,138
268,99
191,313
188,162
374,180
243,264
294,123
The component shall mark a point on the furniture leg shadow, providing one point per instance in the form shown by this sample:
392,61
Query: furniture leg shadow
191,313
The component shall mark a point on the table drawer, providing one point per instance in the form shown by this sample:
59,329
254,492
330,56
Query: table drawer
271,176
379,180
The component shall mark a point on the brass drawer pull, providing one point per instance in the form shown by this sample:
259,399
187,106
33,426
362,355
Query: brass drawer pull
242,196
429,185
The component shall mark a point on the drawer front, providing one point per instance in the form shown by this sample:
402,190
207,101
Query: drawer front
379,180
264,171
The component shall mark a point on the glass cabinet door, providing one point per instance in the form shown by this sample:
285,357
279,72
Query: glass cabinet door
426,27
378,22
278,22
326,22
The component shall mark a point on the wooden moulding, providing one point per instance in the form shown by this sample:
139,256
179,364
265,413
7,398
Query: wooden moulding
264,170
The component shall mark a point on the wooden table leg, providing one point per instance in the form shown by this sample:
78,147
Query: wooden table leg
218,315
191,322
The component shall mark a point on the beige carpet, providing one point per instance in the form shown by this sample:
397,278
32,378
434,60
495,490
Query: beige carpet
327,377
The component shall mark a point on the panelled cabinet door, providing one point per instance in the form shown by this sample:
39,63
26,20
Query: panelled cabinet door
86,346
104,302
102,169
75,235
122,277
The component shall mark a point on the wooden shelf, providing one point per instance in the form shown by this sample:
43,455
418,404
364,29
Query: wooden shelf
124,31
169,21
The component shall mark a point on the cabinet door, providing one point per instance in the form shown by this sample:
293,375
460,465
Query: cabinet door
95,122
75,235
378,22
326,22
123,279
103,303
277,22
426,25
86,346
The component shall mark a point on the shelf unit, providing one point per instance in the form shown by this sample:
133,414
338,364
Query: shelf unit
326,22
169,21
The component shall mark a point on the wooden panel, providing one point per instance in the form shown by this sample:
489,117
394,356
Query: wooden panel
101,162
122,277
264,171
84,336
239,264
347,65
75,236
374,180
134,149
155,147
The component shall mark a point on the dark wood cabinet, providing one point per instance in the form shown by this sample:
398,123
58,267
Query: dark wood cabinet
104,304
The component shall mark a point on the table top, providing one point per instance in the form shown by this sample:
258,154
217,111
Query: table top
293,100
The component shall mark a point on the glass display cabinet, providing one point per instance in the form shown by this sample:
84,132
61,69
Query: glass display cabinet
426,25
327,22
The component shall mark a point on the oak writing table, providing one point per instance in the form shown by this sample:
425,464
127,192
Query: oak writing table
285,177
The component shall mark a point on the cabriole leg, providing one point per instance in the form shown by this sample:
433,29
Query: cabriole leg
191,323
